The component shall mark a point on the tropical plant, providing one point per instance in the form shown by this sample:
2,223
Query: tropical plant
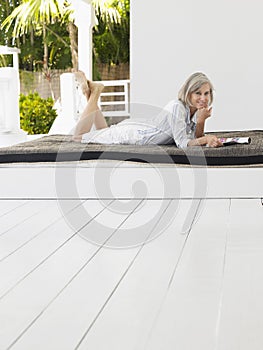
31,19
36,114
109,10
6,8
36,15
111,35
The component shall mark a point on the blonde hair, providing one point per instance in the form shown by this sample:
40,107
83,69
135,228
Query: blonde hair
192,84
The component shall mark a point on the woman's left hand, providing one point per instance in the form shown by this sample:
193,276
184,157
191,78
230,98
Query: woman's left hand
204,113
213,141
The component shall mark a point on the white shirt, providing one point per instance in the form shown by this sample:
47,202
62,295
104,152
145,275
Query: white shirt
172,124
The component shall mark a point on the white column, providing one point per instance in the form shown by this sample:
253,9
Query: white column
72,102
84,20
15,61
67,115
10,131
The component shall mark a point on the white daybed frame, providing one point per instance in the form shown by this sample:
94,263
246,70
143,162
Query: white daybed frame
40,180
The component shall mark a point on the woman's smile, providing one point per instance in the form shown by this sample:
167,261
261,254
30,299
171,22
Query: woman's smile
201,97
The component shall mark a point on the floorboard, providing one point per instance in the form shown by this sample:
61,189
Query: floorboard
131,274
241,319
26,250
188,315
86,296
7,206
20,215
128,317
32,294
38,217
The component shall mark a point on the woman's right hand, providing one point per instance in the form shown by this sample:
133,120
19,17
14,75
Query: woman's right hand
213,141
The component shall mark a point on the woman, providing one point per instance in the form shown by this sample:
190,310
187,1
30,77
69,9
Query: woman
182,121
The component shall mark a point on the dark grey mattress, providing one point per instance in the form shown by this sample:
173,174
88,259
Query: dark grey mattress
58,148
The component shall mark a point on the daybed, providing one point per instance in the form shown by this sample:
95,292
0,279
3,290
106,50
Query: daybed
55,166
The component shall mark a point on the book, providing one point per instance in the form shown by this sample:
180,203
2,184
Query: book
234,140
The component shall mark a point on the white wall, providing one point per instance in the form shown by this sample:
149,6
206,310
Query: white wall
222,38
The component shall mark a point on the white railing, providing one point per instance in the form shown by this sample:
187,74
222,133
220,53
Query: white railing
114,100
5,50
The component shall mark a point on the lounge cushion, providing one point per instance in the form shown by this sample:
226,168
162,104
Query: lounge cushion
52,148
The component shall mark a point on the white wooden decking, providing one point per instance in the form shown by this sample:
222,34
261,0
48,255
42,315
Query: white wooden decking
199,290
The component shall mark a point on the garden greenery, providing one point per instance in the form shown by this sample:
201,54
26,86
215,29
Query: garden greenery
36,113
51,43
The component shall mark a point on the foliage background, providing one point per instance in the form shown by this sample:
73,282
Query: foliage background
110,47
36,113
110,39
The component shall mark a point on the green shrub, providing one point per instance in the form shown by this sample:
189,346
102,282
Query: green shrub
36,113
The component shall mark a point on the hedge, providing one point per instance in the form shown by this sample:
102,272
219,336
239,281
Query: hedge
36,113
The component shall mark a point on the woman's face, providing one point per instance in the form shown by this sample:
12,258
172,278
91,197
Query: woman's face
201,97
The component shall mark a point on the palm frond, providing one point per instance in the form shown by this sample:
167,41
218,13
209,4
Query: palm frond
109,9
32,12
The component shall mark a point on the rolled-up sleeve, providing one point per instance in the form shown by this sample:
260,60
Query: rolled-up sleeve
182,131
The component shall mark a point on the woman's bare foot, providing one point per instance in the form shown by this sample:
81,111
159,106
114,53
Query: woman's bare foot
82,83
95,87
